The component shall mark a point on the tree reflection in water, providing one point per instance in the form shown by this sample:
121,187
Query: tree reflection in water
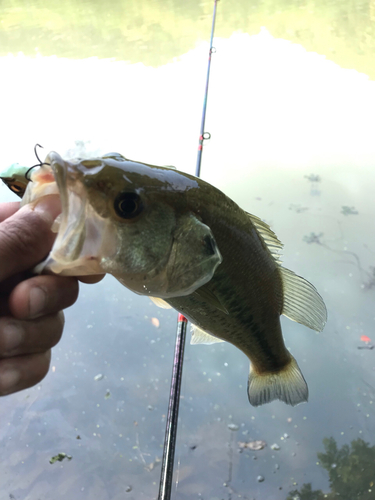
351,473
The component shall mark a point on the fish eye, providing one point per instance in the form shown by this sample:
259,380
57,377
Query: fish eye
128,205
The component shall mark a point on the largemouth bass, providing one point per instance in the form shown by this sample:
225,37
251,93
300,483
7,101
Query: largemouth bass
171,236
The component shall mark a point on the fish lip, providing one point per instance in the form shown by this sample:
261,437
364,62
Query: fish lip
60,170
70,224
83,237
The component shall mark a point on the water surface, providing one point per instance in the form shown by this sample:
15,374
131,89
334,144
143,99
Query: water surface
291,112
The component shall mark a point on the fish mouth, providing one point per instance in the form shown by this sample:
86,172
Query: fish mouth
82,237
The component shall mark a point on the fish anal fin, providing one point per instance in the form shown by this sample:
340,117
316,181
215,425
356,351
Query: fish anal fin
199,336
302,302
288,386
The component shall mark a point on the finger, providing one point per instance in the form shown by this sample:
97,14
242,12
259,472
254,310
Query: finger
25,238
42,295
6,288
8,284
91,279
29,337
22,372
8,209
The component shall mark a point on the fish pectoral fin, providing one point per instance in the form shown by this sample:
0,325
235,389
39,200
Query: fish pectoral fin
288,385
209,296
160,303
302,302
199,336
193,259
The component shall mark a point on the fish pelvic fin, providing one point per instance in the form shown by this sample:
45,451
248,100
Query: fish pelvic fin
302,302
199,336
288,385
160,303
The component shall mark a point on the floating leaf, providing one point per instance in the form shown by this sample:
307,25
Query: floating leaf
59,458
155,322
364,338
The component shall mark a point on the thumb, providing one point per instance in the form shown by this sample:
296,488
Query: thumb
26,237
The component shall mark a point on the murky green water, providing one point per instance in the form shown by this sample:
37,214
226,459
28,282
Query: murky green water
291,112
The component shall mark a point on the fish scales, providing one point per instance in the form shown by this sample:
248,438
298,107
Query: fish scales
247,283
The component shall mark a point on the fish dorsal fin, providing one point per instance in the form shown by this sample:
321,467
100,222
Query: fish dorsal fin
272,242
302,302
199,336
160,303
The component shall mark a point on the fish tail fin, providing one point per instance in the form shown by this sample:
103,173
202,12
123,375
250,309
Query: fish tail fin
288,385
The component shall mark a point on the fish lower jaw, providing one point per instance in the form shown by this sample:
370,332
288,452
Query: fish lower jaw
84,266
56,224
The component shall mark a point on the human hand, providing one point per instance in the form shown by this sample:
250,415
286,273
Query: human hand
31,318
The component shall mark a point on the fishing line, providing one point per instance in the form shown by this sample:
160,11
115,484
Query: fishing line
166,475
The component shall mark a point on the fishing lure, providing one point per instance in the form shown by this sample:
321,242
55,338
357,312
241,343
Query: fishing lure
15,177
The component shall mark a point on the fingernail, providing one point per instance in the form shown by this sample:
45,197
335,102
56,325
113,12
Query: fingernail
49,207
8,380
13,335
37,301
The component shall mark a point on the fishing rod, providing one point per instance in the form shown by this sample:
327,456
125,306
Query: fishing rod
206,135
166,475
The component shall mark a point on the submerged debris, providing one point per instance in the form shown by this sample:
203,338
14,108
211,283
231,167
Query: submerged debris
313,178
253,445
60,457
345,210
153,464
275,447
233,427
370,283
100,376
260,479
313,238
297,208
